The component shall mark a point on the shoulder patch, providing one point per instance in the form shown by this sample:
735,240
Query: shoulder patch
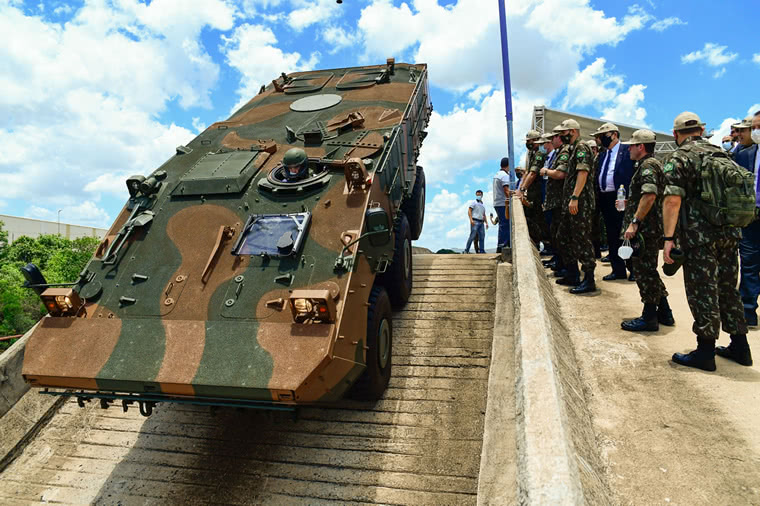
668,167
563,158
646,171
580,155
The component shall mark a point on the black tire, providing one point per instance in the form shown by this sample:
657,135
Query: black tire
374,380
397,279
414,206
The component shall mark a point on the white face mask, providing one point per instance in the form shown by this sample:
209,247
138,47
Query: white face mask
728,145
756,135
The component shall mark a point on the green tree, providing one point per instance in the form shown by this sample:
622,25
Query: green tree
3,241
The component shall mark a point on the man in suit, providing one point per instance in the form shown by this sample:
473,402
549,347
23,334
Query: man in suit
614,168
749,246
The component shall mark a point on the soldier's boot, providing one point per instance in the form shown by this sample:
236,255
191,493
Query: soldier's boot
647,322
664,313
587,286
701,358
738,350
572,276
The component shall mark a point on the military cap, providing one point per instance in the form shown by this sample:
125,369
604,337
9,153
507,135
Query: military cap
686,120
642,136
591,144
545,137
745,123
569,124
532,135
557,129
606,127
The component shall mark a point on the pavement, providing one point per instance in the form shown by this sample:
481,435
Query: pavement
668,434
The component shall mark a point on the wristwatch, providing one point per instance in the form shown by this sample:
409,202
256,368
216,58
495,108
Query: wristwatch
573,197
671,238
635,221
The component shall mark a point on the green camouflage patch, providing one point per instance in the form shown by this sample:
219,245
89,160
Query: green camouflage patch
668,167
563,158
580,155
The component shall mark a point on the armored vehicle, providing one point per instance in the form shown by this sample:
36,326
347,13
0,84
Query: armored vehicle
258,266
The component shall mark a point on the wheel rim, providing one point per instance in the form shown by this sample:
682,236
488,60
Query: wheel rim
383,343
407,258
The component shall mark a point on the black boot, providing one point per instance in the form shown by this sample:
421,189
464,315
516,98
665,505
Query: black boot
561,273
701,358
587,286
647,322
738,350
569,280
664,313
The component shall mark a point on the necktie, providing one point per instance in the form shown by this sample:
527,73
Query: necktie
603,180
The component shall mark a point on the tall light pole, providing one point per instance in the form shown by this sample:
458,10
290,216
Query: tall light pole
59,221
507,90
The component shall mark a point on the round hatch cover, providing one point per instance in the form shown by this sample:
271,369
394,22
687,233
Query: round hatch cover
315,103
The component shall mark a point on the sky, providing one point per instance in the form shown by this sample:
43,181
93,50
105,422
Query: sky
92,92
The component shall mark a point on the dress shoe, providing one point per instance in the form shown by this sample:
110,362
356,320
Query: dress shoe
613,276
606,259
547,263
701,358
631,277
587,286
569,281
751,318
561,273
738,350
664,313
647,322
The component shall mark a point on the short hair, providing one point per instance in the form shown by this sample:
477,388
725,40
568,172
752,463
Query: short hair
692,130
757,113
505,162
478,191
649,147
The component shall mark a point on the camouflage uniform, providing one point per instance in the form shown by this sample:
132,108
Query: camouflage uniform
711,261
553,202
534,214
647,179
576,230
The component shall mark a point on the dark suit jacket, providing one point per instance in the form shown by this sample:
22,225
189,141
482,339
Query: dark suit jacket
623,168
747,157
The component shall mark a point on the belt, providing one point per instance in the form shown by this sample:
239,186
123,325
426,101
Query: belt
475,219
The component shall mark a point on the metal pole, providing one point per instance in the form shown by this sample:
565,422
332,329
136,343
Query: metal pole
507,90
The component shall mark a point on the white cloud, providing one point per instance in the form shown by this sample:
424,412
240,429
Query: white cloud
664,24
725,129
752,110
339,38
712,54
756,58
63,9
460,42
198,125
626,107
269,60
86,214
309,12
719,73
80,101
478,93
592,85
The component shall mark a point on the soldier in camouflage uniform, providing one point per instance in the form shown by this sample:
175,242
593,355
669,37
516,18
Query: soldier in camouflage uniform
710,253
578,206
553,200
530,188
596,223
642,222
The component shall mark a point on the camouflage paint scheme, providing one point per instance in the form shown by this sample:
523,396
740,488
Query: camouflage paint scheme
179,338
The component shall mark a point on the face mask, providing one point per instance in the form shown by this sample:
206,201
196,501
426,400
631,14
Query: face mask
728,145
756,135
478,197
606,141
542,149
565,138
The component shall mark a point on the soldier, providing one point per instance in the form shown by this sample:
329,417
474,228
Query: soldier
596,222
710,253
296,164
578,207
553,200
530,187
643,223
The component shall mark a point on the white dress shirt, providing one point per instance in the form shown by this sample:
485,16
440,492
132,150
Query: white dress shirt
609,184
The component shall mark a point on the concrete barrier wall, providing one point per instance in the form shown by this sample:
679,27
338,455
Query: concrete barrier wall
558,458
12,386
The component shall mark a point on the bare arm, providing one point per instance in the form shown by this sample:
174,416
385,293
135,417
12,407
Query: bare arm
670,208
469,213
645,205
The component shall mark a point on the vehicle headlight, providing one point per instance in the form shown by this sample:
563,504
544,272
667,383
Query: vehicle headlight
312,306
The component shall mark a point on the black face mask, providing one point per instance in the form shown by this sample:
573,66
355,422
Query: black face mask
529,145
566,138
606,141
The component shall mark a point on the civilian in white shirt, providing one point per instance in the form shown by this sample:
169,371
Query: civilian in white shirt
501,194
478,224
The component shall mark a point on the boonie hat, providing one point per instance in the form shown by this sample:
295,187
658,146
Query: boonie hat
532,135
591,144
557,129
687,120
569,124
545,137
745,123
606,127
642,136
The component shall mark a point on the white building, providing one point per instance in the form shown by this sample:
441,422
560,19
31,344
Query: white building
16,227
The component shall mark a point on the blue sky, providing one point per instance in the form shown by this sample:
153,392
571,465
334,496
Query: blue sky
92,92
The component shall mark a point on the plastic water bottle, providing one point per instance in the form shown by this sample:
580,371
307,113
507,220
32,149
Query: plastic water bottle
620,202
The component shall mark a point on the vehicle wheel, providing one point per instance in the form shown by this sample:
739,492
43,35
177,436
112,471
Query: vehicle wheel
397,279
414,207
373,382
